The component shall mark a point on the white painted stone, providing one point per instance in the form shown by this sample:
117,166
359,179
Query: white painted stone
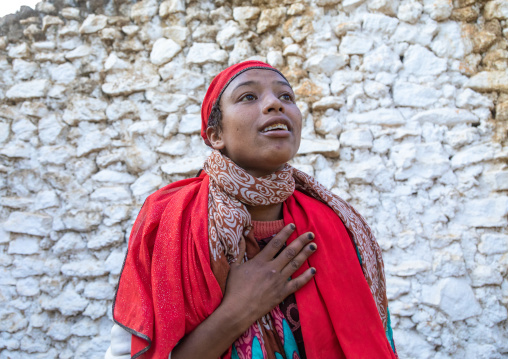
388,7
454,296
327,102
65,73
410,11
228,36
410,268
121,109
410,344
381,59
485,275
185,166
85,109
449,41
171,7
201,53
438,10
293,50
59,331
497,179
166,102
111,194
445,116
99,290
496,9
23,129
360,138
79,52
27,287
164,50
84,328
93,23
105,237
350,5
25,70
114,262
146,184
57,155
342,79
29,223
84,269
472,155
381,117
20,50
328,147
326,63
113,177
68,303
421,62
27,90
275,58
245,13
95,310
126,83
24,245
355,44
414,95
484,212
49,128
69,242
92,141
395,287
190,124
17,149
379,23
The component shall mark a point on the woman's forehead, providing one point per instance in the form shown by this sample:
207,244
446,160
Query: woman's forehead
254,77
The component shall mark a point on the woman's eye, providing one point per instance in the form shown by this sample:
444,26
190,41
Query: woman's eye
286,97
248,98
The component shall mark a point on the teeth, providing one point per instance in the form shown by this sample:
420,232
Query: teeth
277,126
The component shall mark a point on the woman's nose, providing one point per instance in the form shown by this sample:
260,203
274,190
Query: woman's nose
272,103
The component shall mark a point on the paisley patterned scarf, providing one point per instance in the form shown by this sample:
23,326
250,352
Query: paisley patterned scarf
231,188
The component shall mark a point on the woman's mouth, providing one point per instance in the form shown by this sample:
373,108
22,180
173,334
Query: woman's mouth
275,127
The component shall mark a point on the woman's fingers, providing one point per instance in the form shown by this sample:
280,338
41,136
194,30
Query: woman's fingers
295,254
298,260
276,243
295,284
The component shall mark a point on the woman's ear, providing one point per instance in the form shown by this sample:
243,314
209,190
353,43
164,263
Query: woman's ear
214,135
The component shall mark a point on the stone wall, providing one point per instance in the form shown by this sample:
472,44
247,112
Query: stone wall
406,110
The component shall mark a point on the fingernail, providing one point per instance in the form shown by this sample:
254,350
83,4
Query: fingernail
313,270
313,247
292,226
310,235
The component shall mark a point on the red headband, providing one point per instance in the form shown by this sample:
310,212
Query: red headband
219,84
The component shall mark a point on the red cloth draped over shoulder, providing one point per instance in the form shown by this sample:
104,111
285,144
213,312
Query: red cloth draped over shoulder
167,286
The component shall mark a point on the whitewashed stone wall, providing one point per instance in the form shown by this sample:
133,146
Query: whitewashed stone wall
406,110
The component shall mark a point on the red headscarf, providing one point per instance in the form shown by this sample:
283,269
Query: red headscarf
219,84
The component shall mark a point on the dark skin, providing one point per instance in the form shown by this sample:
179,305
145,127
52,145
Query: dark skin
253,100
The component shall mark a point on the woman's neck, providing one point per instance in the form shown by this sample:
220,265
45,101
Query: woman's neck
271,212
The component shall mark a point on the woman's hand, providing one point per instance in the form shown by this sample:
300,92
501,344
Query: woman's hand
257,286
253,289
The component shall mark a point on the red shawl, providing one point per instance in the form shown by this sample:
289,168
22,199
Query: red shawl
167,287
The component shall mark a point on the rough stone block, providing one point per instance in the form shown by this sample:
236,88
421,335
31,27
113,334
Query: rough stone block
164,50
484,212
28,90
84,269
326,147
29,223
201,53
93,23
414,95
487,81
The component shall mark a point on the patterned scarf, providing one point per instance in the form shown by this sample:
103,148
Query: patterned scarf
231,188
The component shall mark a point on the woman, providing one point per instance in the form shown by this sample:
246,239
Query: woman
207,272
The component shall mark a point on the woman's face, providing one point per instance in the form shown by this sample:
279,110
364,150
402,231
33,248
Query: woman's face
261,124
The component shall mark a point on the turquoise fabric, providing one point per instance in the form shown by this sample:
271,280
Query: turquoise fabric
290,346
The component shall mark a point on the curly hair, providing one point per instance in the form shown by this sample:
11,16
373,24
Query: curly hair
215,119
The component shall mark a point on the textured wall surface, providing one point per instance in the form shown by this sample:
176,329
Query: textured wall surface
405,106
